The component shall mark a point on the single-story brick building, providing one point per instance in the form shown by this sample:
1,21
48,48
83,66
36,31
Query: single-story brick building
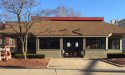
87,37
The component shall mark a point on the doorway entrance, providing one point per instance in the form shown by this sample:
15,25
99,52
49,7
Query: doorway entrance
73,47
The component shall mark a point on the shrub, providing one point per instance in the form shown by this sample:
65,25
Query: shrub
118,55
30,56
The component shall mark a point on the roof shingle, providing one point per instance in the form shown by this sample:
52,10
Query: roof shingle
73,28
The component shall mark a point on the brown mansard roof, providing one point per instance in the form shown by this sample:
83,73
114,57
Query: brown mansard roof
73,28
83,28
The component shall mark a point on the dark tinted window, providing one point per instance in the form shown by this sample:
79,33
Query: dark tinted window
114,43
95,43
49,43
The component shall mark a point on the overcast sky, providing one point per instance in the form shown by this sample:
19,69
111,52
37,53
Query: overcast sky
109,9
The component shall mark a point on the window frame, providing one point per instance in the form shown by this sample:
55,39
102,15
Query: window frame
99,43
116,42
46,43
11,40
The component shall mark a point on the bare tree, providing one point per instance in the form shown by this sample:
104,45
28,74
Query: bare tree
60,11
20,10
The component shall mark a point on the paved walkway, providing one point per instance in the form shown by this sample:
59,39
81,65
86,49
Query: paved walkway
79,66
70,66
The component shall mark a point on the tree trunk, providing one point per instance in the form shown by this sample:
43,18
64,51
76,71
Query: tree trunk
25,57
23,49
26,39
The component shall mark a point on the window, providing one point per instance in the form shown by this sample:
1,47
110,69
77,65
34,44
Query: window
10,40
54,44
114,43
95,43
1,41
49,43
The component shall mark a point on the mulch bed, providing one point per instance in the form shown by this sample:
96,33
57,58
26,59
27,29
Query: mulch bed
116,61
25,63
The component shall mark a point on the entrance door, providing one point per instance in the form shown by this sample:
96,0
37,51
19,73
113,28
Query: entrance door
73,47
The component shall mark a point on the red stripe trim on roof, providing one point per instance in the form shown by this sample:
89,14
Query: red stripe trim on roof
71,18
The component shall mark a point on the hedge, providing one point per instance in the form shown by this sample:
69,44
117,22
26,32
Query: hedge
30,56
118,55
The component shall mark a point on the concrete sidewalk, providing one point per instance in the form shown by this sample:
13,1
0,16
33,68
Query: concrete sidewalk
79,66
27,72
69,66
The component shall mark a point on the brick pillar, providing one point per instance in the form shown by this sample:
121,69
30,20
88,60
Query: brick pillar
106,43
120,43
84,46
61,46
37,43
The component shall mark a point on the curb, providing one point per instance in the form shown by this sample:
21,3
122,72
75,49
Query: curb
109,62
49,63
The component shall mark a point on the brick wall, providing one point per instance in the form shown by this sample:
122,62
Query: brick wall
7,40
95,53
51,53
114,51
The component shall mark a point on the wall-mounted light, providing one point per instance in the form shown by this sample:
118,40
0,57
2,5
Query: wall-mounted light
68,44
76,44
